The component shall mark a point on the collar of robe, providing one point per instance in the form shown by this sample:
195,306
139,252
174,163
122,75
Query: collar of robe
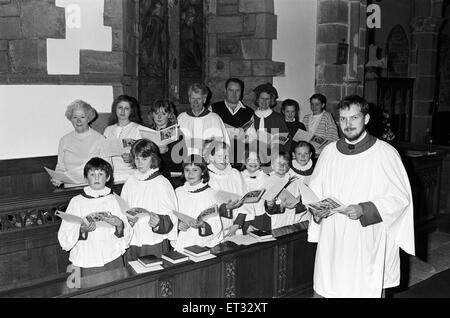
353,149
257,175
196,188
90,193
212,168
303,171
202,114
148,175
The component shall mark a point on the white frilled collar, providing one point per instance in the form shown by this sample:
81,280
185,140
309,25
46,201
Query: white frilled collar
213,169
258,174
96,193
144,176
196,188
297,166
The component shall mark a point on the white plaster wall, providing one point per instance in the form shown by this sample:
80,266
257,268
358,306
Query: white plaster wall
32,116
296,47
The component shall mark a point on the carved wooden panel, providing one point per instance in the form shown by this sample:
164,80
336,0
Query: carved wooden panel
230,278
282,269
166,288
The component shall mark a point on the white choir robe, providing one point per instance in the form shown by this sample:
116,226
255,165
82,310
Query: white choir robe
121,169
356,261
229,180
102,245
255,209
198,129
289,217
155,195
193,204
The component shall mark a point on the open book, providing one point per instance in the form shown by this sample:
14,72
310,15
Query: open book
329,203
134,214
250,197
97,217
280,138
112,147
203,216
313,139
161,137
70,177
275,185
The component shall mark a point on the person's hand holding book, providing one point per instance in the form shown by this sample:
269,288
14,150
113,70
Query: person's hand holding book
113,220
353,211
183,226
196,225
84,228
154,220
231,205
231,230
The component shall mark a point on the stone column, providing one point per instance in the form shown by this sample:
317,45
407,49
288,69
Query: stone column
240,34
339,20
424,58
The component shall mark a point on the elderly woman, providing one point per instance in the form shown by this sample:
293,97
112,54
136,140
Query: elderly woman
80,145
320,123
267,120
124,124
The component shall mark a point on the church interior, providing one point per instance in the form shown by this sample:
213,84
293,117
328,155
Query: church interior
394,53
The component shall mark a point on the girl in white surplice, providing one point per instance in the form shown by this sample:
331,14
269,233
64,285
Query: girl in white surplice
194,197
148,191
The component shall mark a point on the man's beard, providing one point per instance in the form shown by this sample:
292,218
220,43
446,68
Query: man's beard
355,137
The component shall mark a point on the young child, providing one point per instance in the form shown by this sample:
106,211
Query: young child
291,111
149,190
194,197
283,214
302,164
92,248
225,178
255,179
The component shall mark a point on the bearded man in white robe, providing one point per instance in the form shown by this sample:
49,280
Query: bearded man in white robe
358,247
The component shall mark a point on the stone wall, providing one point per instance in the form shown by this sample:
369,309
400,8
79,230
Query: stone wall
25,25
239,44
339,20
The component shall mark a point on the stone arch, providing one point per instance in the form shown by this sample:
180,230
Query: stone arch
397,50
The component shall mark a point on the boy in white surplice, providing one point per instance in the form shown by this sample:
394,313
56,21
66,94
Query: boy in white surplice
96,248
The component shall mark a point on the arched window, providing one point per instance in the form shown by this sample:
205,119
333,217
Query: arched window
397,50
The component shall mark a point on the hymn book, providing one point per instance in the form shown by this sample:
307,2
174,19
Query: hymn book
329,203
313,139
70,178
134,214
202,217
196,250
97,217
161,137
150,260
250,197
175,257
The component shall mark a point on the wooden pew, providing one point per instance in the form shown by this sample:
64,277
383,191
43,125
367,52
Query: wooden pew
279,268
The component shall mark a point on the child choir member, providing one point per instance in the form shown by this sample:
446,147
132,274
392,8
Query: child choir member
147,189
255,179
302,163
194,197
283,213
93,248
225,178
